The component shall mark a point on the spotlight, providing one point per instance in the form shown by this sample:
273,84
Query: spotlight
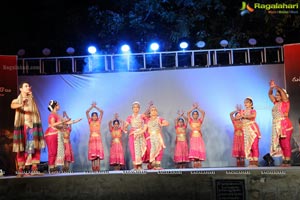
92,49
200,44
252,41
269,161
21,52
70,50
125,48
154,46
183,45
46,51
224,43
279,40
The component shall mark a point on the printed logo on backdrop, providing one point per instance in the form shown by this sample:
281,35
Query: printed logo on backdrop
296,79
270,8
4,91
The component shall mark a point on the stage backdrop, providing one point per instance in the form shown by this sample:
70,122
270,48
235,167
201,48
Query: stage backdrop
217,90
8,91
292,74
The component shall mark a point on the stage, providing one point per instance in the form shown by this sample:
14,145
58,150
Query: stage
204,183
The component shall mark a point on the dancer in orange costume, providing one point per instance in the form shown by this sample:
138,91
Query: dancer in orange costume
95,149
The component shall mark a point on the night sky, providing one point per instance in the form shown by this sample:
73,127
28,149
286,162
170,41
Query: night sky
34,25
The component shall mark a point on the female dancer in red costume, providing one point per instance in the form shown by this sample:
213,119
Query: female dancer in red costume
197,147
137,141
95,149
154,126
238,150
251,132
54,137
282,127
181,154
116,156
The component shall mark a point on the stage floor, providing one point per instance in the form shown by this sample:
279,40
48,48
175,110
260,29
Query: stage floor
204,171
201,183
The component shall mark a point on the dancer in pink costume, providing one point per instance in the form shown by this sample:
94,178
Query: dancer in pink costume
238,150
197,152
251,132
54,137
181,154
116,156
95,149
282,127
137,141
69,155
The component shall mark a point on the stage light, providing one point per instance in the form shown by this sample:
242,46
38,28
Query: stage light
46,52
154,46
70,50
279,40
183,45
21,52
224,43
92,49
269,161
252,41
125,48
200,44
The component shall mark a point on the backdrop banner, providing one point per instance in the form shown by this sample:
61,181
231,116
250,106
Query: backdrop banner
292,76
216,89
8,91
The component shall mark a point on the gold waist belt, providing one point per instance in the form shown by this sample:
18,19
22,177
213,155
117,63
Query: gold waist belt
275,120
181,137
196,134
153,132
95,134
248,123
66,140
116,140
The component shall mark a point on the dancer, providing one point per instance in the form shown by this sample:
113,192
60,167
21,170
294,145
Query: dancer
95,149
154,128
116,157
28,138
146,157
197,147
69,155
54,137
238,150
251,132
282,127
137,141
181,154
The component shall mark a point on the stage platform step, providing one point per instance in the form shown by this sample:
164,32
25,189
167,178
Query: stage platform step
204,183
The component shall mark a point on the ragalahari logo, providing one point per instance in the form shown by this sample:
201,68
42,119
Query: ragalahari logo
273,8
246,8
